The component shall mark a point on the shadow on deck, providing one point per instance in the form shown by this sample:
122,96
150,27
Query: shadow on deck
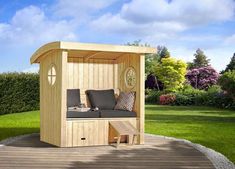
158,152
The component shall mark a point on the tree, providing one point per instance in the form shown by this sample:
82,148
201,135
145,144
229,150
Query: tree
151,61
136,43
163,52
190,65
227,82
230,66
199,61
171,73
152,82
202,78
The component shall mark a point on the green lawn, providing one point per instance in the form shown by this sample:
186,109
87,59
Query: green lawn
18,124
211,127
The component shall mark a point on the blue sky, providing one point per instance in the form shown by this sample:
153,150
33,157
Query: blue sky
182,26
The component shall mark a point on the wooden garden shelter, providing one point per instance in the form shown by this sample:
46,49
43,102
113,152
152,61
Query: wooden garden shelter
70,65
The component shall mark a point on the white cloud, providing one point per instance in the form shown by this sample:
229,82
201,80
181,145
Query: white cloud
146,17
30,25
188,12
79,9
153,21
109,23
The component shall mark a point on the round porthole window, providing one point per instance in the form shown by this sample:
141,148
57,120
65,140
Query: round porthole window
52,75
130,77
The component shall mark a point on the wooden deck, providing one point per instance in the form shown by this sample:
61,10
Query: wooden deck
158,152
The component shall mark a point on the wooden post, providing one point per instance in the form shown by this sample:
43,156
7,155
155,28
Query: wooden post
142,98
64,61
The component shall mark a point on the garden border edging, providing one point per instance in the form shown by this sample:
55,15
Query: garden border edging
218,160
10,140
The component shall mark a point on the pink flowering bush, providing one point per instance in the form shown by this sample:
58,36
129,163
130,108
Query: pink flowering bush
202,78
167,99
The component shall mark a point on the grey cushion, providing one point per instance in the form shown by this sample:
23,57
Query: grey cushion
103,99
73,97
89,114
116,113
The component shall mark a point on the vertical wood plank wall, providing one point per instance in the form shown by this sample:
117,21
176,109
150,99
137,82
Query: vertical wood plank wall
91,74
109,74
137,62
83,74
52,119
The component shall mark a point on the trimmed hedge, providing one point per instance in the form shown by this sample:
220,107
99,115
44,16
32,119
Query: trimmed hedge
19,92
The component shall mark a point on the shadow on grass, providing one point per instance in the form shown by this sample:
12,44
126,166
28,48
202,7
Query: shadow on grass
188,118
6,132
180,108
32,140
184,109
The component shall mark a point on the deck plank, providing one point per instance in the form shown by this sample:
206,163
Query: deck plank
158,152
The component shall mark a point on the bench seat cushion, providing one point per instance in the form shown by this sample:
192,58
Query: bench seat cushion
89,114
116,113
73,97
102,99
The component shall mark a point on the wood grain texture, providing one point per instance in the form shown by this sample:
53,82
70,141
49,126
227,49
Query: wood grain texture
77,49
157,153
84,67
52,105
63,101
88,132
137,62
91,74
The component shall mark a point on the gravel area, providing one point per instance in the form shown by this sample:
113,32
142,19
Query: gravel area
13,139
217,159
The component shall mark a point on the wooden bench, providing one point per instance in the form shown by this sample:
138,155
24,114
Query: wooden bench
124,128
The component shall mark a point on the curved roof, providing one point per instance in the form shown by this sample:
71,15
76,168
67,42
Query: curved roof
74,46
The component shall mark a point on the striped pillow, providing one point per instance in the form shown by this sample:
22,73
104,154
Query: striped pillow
125,101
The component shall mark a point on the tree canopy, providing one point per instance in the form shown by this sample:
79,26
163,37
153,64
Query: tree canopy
163,52
171,72
231,65
200,60
227,82
203,77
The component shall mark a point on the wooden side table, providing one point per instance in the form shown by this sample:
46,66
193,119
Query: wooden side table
124,128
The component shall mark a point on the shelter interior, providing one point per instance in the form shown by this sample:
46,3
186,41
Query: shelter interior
66,65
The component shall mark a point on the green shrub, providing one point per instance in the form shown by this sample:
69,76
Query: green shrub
210,97
19,92
214,89
183,100
189,96
152,96
223,100
227,82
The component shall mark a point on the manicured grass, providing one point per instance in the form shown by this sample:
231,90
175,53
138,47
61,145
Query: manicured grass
18,124
211,127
